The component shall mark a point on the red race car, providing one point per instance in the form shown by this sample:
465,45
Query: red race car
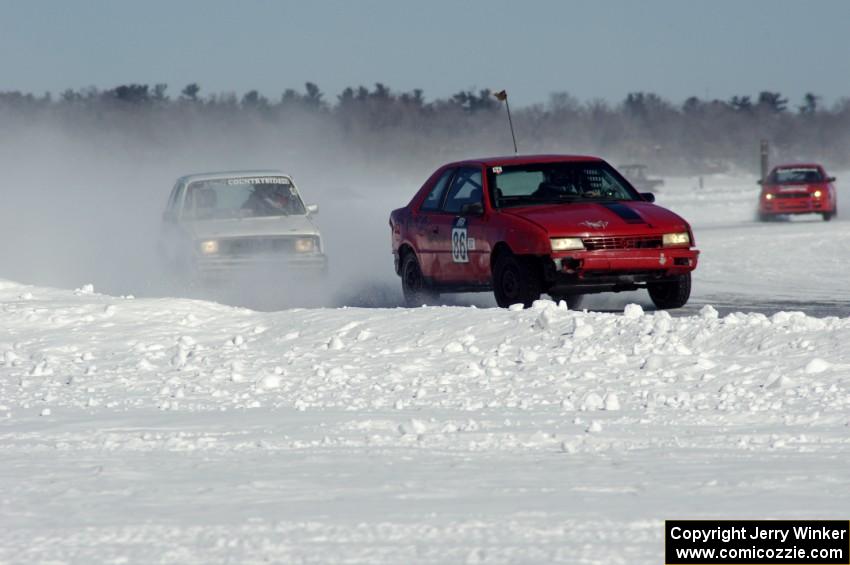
797,189
524,226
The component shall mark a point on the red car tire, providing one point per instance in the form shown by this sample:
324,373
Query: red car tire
515,281
413,284
671,294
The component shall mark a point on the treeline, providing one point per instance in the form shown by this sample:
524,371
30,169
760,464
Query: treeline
383,126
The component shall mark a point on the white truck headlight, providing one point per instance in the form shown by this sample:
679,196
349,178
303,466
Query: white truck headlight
305,245
681,239
209,247
566,243
817,194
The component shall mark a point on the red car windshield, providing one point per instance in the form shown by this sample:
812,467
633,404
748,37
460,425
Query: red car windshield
796,175
547,183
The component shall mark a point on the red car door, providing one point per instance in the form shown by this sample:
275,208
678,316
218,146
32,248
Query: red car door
462,227
429,227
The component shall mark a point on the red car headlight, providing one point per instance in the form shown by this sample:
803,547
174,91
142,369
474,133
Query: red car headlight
566,243
680,239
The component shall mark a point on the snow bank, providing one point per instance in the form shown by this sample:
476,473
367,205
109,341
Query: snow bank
165,430
70,349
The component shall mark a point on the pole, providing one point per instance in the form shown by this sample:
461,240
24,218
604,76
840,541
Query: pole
764,155
511,122
502,95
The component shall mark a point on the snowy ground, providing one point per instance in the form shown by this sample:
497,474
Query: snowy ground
800,258
163,430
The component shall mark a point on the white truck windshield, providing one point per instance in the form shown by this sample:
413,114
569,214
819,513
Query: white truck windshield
242,197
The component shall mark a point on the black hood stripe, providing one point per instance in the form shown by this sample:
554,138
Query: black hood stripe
624,212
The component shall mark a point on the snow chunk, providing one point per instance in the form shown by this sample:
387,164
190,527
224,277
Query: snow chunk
661,324
816,365
570,447
777,381
703,363
543,305
653,362
592,402
633,311
612,402
85,289
527,355
472,405
546,319
41,370
780,317
516,307
414,427
269,382
583,331
708,312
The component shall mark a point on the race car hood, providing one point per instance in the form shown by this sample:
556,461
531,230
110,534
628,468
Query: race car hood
252,227
588,218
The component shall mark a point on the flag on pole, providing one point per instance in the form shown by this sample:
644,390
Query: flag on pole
502,96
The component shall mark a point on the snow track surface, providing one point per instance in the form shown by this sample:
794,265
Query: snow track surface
180,431
797,258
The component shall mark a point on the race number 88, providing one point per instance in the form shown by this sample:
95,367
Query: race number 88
460,252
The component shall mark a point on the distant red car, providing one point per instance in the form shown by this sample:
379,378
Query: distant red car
797,189
524,226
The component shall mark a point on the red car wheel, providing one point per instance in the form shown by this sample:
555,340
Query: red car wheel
515,282
671,294
413,284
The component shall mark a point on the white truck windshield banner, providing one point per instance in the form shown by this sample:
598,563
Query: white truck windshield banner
260,180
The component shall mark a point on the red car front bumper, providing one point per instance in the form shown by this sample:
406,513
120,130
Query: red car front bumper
585,272
781,204
668,261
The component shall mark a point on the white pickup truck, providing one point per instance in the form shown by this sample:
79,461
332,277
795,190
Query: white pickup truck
219,224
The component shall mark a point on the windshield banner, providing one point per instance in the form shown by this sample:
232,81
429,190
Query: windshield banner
260,180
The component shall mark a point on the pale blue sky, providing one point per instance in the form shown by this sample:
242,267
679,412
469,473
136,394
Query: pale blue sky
591,49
